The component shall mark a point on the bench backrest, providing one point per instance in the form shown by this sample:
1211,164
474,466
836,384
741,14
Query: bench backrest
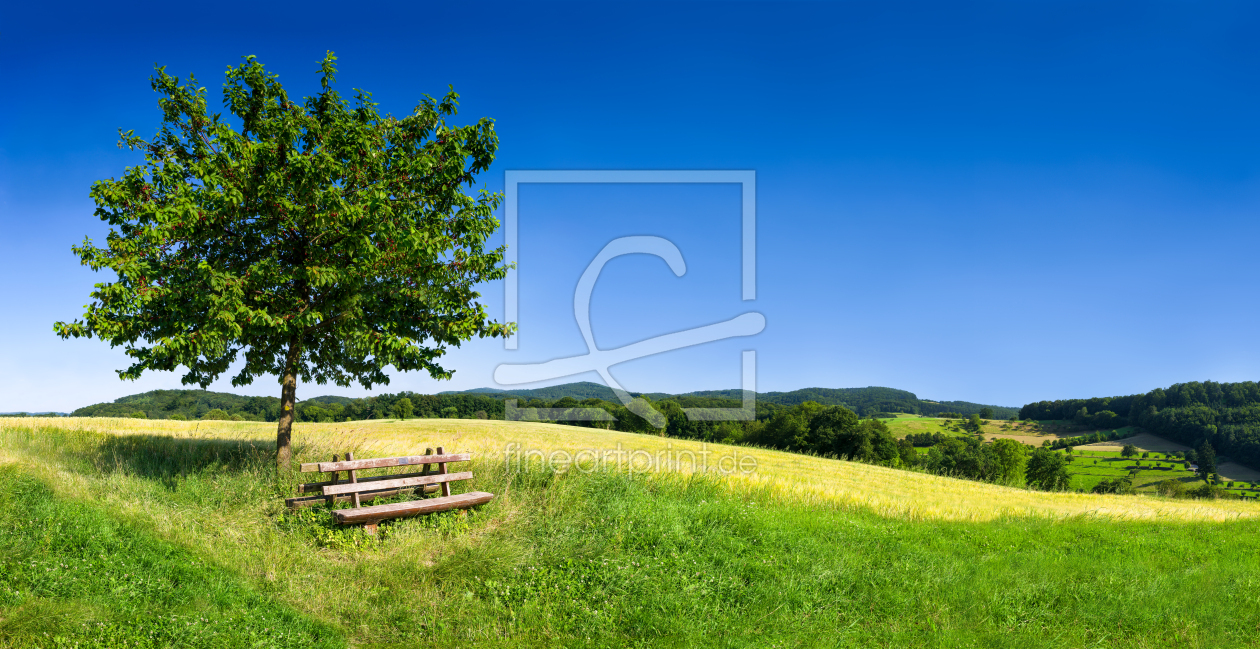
384,485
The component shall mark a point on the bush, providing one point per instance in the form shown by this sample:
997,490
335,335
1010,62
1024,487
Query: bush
481,414
216,413
1206,491
1171,488
178,417
925,439
1117,486
139,414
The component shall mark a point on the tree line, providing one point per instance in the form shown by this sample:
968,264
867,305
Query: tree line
201,404
865,402
1226,415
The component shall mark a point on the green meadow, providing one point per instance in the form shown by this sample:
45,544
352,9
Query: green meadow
159,541
1089,467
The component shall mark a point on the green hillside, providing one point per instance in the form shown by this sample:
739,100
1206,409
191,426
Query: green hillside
202,404
188,404
863,401
1224,415
184,543
195,404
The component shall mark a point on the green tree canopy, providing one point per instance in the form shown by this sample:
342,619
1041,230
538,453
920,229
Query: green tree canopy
403,408
1206,456
1047,470
321,240
1012,461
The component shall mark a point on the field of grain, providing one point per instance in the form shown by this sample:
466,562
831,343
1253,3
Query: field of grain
796,478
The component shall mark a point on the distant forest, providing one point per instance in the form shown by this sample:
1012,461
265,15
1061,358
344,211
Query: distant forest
492,404
1226,415
201,404
863,401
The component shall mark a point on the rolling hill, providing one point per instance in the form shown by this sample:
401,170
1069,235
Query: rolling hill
194,404
863,401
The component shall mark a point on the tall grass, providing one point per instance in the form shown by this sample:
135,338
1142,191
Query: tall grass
801,479
181,540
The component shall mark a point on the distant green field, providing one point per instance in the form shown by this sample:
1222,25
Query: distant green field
1088,468
907,424
1091,467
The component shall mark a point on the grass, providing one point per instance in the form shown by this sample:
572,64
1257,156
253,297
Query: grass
1028,432
791,477
174,536
1093,465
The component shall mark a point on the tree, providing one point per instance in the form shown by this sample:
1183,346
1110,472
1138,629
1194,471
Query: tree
908,455
1012,461
1207,461
1129,450
322,241
986,413
402,408
1047,470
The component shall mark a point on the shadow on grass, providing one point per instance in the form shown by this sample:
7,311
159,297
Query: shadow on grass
168,459
161,458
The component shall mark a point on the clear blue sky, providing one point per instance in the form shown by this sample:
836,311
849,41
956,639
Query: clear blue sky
995,202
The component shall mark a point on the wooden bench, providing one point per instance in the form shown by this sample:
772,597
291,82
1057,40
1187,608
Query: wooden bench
356,490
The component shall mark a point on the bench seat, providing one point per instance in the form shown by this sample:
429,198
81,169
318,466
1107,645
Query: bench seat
377,513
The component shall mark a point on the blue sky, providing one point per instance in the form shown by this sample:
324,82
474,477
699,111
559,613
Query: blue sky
994,202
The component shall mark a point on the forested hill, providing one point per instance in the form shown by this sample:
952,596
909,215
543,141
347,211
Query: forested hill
1226,415
581,391
488,402
864,401
202,404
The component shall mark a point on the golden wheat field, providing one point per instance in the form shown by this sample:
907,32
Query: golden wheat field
794,477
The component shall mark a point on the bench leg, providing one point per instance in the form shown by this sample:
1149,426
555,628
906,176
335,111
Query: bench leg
370,528
446,486
354,479
331,499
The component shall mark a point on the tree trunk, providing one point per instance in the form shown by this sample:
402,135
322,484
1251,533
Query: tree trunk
288,397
